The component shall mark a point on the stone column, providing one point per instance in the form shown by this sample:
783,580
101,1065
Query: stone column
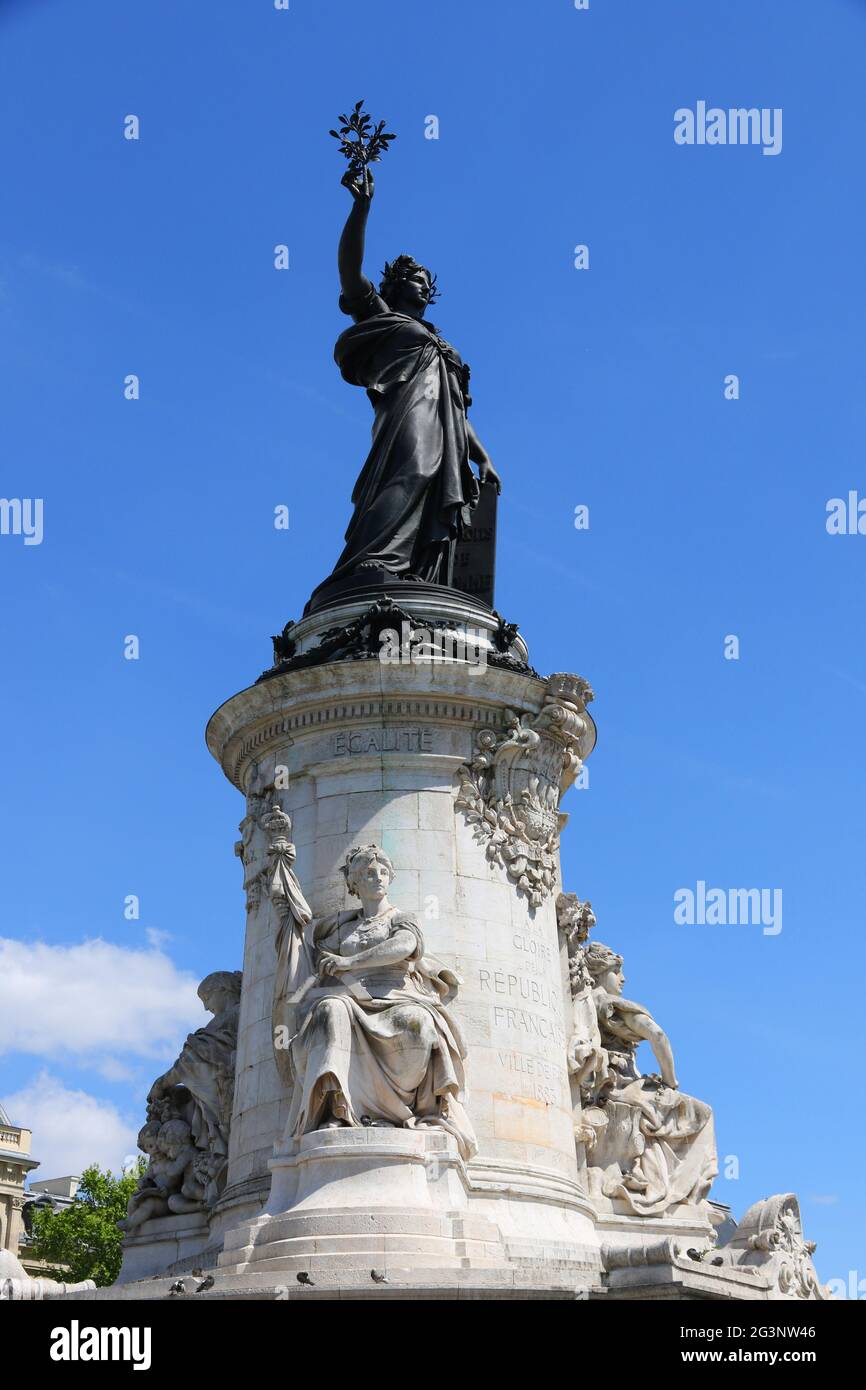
456,769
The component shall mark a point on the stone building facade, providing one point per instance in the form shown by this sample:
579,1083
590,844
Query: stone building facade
15,1164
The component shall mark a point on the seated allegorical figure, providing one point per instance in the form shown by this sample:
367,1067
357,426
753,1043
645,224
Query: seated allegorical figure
189,1114
362,1030
654,1146
199,1085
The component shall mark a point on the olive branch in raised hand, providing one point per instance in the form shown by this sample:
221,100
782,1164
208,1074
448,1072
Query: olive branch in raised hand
361,143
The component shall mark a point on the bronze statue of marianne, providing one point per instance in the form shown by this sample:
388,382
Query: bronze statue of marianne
416,488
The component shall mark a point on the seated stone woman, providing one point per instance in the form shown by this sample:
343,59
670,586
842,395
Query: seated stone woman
655,1146
364,1012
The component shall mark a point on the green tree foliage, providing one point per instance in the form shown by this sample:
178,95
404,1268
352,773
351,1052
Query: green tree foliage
83,1240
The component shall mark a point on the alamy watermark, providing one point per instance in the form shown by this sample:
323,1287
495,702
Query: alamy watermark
22,516
846,516
83,1343
739,125
421,646
721,907
853,1287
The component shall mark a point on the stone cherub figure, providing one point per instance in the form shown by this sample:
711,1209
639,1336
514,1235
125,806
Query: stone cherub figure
416,487
654,1145
362,1029
168,1186
189,1113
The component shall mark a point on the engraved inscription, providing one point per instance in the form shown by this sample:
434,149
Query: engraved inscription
519,988
529,1024
543,1080
538,950
394,740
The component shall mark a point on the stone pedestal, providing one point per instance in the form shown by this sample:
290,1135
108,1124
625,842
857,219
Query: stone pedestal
357,1199
360,750
162,1243
454,765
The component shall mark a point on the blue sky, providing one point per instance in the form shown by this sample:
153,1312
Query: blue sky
602,387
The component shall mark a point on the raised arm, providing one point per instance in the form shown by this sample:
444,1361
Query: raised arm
350,256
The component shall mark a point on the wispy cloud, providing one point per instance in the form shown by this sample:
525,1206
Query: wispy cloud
71,1128
93,1002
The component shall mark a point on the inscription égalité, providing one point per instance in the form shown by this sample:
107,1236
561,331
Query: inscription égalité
382,740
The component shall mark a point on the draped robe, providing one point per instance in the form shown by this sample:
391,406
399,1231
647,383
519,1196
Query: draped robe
657,1146
381,1040
416,487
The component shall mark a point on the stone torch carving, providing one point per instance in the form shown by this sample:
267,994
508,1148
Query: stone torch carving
585,1057
249,847
511,790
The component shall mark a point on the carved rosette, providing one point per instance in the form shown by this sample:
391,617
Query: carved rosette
510,791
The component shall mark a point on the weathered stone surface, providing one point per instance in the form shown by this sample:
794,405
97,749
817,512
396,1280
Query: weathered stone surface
17,1286
583,1179
369,751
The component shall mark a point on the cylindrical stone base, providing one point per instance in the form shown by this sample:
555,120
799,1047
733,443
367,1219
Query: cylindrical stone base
361,751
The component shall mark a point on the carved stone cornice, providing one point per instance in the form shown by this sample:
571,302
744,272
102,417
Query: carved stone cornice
301,704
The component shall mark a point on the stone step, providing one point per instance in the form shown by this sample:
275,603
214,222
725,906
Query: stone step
365,1225
336,1266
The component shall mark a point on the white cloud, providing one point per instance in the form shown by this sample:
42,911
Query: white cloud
94,1001
71,1129
157,938
113,1070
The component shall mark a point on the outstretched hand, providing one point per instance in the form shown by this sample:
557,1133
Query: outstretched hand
361,185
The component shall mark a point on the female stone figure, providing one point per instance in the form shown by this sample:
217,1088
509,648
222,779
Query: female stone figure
189,1111
655,1146
411,495
362,1012
199,1086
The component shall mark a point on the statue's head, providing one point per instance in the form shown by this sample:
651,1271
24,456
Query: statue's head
408,287
220,990
148,1137
173,1137
605,967
368,872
